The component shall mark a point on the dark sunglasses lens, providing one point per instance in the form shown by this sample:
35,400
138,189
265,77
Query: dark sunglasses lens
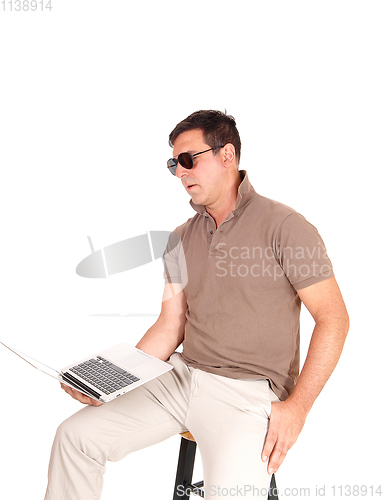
185,160
171,164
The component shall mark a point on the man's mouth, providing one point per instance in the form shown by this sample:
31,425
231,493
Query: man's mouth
189,186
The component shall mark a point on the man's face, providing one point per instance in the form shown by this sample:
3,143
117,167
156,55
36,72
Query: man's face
204,181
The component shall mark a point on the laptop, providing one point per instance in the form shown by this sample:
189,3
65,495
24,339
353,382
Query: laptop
108,374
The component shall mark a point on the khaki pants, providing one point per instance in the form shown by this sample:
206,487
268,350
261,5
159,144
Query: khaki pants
227,417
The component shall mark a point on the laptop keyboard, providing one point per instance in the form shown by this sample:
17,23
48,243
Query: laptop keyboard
104,375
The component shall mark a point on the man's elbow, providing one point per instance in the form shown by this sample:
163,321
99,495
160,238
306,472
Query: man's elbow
342,319
337,324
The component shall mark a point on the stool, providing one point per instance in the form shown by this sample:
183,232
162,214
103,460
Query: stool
183,483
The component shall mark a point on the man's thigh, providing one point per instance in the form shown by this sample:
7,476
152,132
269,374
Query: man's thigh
229,419
143,417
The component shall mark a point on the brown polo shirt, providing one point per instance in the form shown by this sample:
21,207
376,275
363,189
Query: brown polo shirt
241,281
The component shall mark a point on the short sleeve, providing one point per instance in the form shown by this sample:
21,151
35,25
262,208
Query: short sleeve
175,267
301,252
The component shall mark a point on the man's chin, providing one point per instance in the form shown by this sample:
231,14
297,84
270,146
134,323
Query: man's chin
197,200
195,195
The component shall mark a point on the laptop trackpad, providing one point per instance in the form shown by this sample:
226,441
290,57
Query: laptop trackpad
132,359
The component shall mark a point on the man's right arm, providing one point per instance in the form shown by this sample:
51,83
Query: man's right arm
162,339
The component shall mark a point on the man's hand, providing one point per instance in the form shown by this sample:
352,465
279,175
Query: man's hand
285,425
86,400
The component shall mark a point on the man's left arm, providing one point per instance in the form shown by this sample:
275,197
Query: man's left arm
326,305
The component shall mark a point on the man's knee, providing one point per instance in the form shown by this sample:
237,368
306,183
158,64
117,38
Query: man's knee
73,432
66,434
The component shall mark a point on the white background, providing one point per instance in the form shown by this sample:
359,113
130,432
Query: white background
89,92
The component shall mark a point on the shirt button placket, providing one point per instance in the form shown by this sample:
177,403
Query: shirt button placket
210,231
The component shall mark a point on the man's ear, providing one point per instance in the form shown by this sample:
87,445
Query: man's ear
229,154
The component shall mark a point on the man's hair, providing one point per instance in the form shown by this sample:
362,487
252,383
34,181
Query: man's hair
218,129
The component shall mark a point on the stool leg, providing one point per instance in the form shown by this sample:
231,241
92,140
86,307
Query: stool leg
272,495
184,469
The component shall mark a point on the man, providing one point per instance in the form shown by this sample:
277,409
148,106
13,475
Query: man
234,286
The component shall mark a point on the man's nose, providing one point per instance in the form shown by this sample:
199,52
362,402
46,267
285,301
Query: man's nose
181,171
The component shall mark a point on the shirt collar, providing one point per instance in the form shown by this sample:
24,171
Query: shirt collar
245,194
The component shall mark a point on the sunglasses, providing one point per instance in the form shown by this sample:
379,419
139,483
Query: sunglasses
185,160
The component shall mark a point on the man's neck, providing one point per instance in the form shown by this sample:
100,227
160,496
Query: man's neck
227,205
